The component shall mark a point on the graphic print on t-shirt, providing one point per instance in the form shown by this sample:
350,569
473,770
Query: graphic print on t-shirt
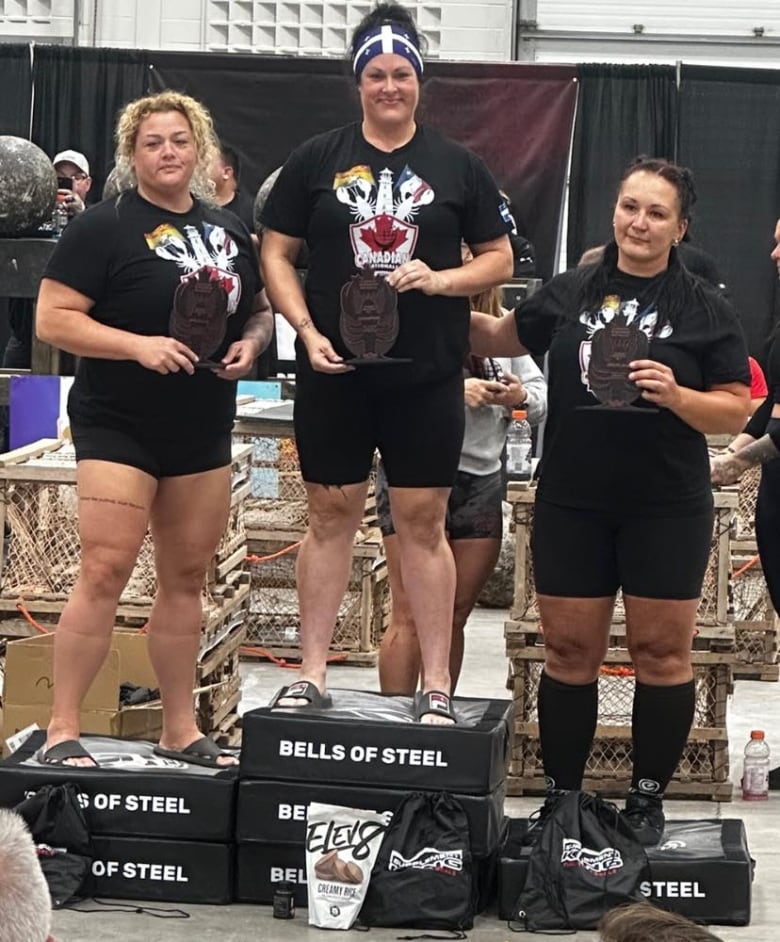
383,236
192,255
612,309
209,290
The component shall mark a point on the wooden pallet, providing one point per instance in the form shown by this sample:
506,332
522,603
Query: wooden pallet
768,673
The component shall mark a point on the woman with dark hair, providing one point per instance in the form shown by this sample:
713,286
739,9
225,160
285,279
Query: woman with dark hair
644,360
382,205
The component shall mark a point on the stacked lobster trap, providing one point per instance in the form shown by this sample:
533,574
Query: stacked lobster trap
755,621
704,769
40,559
276,521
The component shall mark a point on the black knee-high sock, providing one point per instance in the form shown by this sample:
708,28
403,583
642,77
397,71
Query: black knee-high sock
567,723
661,721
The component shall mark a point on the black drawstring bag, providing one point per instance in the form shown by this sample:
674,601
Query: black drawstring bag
586,861
423,875
58,826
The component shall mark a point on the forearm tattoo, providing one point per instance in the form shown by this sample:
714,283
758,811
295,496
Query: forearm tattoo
306,322
759,452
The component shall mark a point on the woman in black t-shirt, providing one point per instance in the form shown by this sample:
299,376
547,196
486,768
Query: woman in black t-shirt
644,359
383,206
158,293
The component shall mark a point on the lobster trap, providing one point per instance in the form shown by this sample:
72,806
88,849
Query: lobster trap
41,553
703,769
755,621
714,604
273,621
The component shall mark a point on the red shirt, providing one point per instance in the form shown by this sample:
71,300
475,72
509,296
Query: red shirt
758,386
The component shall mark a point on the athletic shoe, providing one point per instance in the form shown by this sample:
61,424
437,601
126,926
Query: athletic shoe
645,815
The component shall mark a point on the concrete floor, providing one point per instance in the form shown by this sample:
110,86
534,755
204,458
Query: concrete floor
754,705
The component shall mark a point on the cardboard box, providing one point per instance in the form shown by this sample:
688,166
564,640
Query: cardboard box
29,688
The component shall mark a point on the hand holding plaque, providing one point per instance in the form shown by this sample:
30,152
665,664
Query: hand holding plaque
613,347
369,319
199,315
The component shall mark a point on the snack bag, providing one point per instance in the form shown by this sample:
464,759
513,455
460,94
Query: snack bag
341,847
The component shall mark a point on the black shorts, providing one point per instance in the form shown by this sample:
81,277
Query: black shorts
161,457
590,554
341,419
474,510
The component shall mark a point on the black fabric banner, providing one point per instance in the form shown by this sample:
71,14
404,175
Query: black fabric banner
623,111
518,118
78,96
16,82
730,138
263,106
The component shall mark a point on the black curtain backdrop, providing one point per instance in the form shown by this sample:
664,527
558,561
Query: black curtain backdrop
517,118
623,111
263,106
730,138
15,81
78,95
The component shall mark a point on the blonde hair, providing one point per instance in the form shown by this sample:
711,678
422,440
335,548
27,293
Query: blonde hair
489,302
199,120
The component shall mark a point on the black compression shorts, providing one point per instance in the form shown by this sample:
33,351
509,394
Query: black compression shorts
590,554
341,419
474,510
161,457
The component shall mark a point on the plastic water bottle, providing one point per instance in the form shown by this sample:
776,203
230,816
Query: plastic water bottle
519,447
755,771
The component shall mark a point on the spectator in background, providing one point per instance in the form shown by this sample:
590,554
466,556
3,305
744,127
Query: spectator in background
25,903
226,174
73,166
758,387
643,922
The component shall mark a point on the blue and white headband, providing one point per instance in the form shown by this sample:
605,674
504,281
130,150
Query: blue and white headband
386,39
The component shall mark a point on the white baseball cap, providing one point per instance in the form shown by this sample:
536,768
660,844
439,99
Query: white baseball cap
72,157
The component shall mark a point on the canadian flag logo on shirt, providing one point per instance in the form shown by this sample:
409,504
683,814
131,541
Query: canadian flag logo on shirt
383,237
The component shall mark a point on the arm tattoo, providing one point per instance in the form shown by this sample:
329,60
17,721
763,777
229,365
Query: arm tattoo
306,322
759,452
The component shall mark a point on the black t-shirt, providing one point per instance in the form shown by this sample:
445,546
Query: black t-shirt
129,256
244,207
358,206
648,462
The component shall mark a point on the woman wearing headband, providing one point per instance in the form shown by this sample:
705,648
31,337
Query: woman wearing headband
382,205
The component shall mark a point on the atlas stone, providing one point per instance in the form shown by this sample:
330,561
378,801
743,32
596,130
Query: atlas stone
117,181
29,188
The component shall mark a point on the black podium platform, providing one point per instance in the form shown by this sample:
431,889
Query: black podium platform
366,751
134,792
367,739
701,869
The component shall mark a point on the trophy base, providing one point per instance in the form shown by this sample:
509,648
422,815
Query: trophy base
647,410
377,361
208,365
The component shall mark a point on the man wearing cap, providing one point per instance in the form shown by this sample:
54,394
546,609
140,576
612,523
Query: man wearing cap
75,166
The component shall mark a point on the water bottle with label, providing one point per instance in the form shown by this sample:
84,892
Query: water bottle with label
519,447
755,771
